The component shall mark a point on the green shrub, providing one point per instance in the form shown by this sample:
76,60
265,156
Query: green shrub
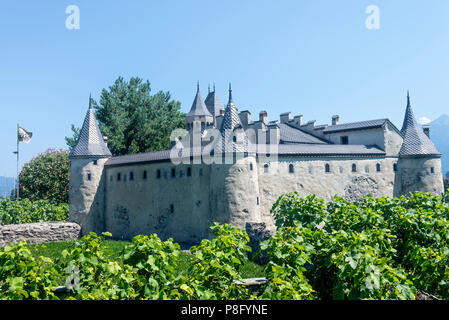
154,263
96,276
26,211
24,277
46,177
216,265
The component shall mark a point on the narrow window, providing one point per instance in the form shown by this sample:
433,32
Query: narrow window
124,177
344,140
327,168
432,170
378,167
189,171
258,201
367,169
395,167
173,172
251,166
89,176
291,168
158,173
110,178
354,167
201,171
95,162
144,174
172,208
119,176
131,176
265,168
234,139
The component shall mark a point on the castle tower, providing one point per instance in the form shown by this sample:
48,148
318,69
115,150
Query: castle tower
234,182
198,112
419,162
86,187
213,104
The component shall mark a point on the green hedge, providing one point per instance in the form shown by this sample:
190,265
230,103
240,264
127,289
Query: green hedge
374,249
26,211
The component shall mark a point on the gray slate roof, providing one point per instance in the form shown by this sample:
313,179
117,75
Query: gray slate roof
329,150
90,141
416,142
290,134
369,124
231,122
213,104
198,107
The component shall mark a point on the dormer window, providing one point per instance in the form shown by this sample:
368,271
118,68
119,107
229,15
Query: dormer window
291,168
354,167
344,140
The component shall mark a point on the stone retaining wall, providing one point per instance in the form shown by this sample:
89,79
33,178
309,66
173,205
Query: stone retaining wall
39,232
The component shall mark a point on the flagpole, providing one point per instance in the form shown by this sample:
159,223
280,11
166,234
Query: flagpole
17,194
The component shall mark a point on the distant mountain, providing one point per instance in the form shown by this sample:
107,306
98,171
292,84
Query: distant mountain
6,186
439,133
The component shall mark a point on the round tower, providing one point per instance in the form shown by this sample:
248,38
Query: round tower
199,112
234,182
419,162
87,180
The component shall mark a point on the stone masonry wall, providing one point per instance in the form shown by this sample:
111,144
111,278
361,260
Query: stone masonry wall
39,232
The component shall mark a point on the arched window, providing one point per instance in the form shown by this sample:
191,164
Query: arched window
89,176
265,168
291,168
251,166
378,168
327,168
144,174
119,176
173,172
131,176
354,167
158,173
189,171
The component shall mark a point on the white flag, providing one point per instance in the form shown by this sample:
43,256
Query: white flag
24,135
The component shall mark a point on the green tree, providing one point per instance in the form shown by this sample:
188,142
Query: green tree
46,177
134,120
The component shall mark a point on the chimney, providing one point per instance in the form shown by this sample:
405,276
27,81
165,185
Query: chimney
245,117
298,120
335,120
285,117
105,139
426,129
263,116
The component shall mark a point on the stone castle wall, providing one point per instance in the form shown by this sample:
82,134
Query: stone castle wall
39,232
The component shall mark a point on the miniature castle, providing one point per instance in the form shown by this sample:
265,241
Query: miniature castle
238,167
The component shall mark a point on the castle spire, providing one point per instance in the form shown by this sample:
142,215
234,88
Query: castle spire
416,142
90,141
230,94
198,111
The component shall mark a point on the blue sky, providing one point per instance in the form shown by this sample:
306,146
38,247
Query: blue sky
312,57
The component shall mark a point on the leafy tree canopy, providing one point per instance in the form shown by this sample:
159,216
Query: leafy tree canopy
134,120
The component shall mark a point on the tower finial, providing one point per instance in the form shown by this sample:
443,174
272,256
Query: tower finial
214,87
197,86
90,101
408,98
208,88
230,93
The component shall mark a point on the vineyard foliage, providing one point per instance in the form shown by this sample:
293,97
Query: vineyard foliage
27,211
373,249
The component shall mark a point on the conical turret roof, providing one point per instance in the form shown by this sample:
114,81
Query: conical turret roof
90,141
231,122
416,142
213,104
198,107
